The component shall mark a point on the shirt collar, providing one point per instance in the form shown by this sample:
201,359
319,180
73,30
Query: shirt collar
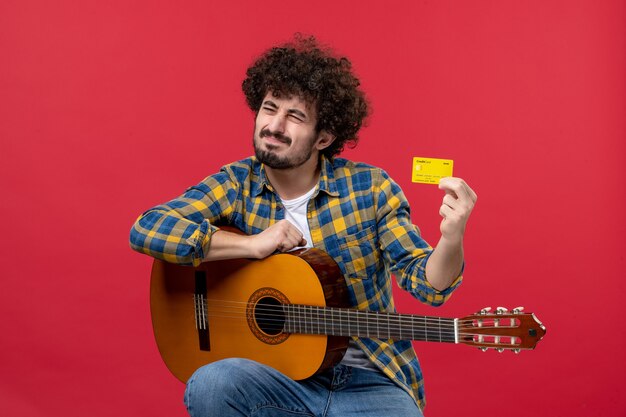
261,179
326,183
327,177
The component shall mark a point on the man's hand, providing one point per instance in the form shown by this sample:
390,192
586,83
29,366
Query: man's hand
281,236
456,208
445,263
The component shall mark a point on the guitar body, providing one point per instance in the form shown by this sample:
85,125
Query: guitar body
205,314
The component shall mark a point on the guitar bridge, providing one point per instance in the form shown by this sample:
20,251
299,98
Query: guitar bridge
201,311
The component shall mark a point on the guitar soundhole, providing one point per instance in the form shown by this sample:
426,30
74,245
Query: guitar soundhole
269,316
266,316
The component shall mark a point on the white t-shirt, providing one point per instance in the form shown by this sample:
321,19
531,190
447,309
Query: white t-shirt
295,212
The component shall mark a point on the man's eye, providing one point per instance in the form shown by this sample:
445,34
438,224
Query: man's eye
296,118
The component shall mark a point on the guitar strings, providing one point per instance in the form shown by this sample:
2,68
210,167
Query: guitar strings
308,320
315,312
345,313
243,306
394,330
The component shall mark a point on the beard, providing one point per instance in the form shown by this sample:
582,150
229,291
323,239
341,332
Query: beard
274,161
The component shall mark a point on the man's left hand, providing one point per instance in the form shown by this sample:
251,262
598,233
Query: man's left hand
456,208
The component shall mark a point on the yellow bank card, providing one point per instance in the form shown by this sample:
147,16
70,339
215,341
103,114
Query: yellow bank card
431,170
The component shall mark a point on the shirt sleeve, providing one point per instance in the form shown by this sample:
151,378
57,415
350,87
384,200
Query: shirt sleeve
404,251
180,230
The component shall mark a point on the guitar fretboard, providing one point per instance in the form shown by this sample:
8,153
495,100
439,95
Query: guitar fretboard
371,324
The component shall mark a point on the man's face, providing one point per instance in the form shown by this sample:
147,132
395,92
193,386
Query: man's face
284,132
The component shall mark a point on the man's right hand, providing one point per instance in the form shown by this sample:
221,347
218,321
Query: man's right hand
281,236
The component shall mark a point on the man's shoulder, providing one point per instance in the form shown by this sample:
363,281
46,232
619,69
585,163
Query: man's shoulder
348,165
246,164
347,168
243,168
244,172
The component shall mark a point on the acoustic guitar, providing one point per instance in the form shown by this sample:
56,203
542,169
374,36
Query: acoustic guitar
290,311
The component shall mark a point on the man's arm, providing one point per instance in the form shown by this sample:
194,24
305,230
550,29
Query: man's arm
180,230
446,261
408,255
281,236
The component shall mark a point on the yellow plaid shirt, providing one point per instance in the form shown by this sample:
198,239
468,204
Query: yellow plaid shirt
357,214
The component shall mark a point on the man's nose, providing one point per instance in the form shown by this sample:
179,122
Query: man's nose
277,124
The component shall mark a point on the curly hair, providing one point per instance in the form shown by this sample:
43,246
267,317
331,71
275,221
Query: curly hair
312,72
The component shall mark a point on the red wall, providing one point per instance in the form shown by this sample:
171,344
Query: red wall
110,107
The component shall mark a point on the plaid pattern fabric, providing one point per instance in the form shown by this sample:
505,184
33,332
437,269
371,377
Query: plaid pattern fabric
357,214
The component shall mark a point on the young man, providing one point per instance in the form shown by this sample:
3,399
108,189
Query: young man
296,193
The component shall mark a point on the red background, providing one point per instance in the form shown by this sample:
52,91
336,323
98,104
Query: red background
110,107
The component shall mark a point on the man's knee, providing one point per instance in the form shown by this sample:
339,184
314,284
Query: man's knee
222,376
217,385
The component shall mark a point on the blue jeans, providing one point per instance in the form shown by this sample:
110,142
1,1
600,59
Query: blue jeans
240,387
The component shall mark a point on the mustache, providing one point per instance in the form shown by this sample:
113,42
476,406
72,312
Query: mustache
283,138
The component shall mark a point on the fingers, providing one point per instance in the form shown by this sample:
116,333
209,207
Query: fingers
458,188
287,236
446,211
450,201
456,207
459,196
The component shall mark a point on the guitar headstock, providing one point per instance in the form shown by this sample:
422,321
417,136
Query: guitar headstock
502,330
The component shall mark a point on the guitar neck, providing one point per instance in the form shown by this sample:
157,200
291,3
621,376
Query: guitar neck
371,324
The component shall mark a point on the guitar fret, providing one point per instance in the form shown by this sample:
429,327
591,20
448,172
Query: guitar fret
350,322
340,326
308,319
318,311
318,322
306,322
317,319
331,319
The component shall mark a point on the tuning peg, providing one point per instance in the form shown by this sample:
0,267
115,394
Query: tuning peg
485,310
500,350
518,310
501,310
517,351
484,349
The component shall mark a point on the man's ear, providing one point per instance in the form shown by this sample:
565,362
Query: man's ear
324,140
